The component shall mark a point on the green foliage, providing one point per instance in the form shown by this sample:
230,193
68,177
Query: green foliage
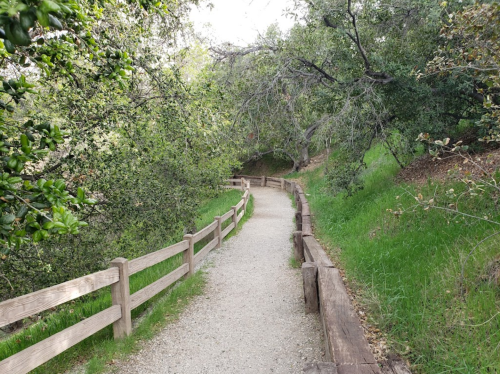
73,312
407,267
471,49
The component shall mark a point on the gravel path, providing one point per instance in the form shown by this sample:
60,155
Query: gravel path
251,317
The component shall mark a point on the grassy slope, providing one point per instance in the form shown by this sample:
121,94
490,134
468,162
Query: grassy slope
408,269
101,348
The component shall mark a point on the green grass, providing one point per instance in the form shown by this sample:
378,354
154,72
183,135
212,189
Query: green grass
408,269
100,348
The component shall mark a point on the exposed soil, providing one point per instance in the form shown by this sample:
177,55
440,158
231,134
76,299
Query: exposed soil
472,166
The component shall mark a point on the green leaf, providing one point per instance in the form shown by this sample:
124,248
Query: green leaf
43,18
7,219
80,194
37,236
48,225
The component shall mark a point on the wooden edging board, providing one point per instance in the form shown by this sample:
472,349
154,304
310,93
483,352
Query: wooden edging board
347,344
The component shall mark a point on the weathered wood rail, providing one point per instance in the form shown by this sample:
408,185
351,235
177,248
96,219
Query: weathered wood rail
346,346
117,276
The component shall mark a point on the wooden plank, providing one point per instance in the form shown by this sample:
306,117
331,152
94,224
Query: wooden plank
358,369
120,295
307,254
298,247
204,232
302,198
240,204
228,229
205,250
298,189
24,306
317,253
306,225
298,221
154,288
273,179
306,211
344,333
36,355
227,215
273,184
320,368
310,283
154,258
240,216
245,195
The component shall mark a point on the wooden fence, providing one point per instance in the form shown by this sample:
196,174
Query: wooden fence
346,346
117,276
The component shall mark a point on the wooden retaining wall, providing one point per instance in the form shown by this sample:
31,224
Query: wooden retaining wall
117,276
346,347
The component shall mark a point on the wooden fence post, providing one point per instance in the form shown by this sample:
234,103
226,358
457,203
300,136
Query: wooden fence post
243,184
120,295
263,181
189,254
298,220
292,188
310,281
235,215
282,183
298,247
218,231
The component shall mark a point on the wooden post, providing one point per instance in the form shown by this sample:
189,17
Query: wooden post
298,220
282,183
292,188
218,231
243,184
189,254
120,295
310,280
263,181
298,247
235,216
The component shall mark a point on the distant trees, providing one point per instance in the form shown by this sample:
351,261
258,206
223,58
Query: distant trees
351,73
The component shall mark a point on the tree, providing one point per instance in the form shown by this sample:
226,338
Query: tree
471,51
355,66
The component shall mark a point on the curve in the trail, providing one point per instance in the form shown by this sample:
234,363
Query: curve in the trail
251,318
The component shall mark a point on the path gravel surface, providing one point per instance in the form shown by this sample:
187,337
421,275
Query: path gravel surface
251,317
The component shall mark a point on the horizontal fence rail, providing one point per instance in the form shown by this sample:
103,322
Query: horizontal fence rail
117,276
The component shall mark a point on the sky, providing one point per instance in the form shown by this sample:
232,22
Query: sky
240,21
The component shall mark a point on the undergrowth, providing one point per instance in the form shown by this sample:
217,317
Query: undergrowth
100,349
408,267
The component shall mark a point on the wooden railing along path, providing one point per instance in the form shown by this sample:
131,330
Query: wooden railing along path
117,276
324,291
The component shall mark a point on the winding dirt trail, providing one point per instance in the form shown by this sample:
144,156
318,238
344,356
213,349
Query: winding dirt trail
251,317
